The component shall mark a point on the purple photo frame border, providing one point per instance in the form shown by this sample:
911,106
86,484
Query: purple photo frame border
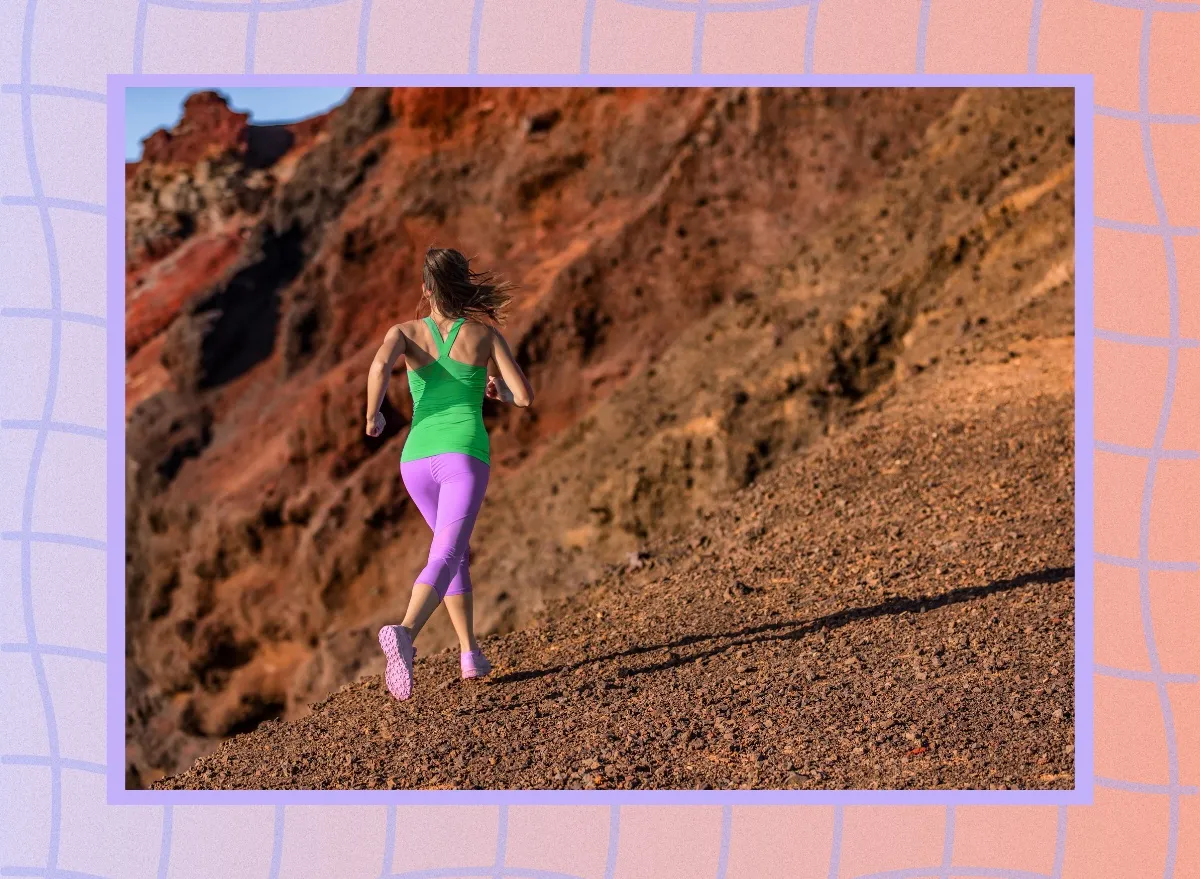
1082,794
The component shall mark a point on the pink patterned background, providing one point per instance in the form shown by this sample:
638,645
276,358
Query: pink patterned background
54,58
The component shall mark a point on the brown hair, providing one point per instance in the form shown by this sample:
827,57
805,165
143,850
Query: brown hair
459,292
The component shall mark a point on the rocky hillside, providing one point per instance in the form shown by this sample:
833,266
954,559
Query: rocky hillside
892,609
189,203
702,301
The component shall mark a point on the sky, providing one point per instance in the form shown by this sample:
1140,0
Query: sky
147,109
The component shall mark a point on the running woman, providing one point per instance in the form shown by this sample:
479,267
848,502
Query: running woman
454,358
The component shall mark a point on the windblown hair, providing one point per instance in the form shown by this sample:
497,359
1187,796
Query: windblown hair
459,292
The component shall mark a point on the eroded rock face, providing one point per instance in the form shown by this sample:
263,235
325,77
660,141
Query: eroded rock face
213,170
681,331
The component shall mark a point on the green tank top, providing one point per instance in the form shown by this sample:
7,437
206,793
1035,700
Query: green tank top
447,404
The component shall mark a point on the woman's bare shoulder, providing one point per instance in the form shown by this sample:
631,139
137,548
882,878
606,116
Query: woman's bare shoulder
409,328
478,330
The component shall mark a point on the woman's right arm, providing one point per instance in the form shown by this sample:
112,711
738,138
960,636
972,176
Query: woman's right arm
380,372
512,374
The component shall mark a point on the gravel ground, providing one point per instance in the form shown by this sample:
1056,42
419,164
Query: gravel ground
892,609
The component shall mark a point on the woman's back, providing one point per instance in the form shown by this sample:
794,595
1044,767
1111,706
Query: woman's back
447,376
472,345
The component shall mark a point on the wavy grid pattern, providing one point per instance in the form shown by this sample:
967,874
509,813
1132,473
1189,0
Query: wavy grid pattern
33,323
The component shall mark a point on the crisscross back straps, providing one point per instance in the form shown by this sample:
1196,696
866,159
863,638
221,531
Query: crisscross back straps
444,345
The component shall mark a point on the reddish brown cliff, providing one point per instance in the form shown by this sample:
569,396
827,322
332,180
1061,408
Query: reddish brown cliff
190,200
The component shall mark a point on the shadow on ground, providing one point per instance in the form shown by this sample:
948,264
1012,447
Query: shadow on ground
795,629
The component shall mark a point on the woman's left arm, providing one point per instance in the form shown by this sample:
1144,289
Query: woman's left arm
389,352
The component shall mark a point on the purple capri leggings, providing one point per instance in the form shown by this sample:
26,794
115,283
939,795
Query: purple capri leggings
448,490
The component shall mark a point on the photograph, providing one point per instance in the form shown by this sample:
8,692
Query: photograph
599,438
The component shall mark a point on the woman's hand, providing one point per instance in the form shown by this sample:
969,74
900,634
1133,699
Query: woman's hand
375,425
498,390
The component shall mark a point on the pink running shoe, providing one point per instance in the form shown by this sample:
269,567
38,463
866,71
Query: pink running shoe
474,665
398,648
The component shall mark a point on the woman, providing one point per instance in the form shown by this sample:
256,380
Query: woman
454,357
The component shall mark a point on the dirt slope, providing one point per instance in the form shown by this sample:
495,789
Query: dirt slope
890,410
892,610
266,537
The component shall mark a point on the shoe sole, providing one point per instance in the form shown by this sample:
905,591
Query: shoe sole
398,676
